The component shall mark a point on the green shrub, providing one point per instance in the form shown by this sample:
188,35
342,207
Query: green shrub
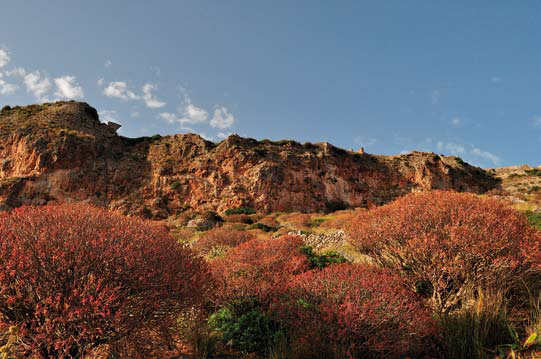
534,172
263,227
316,222
239,210
246,328
175,185
321,261
534,218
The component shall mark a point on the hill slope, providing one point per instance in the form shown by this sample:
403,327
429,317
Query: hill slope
62,152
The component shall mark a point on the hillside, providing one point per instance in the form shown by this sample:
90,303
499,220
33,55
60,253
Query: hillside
521,185
61,152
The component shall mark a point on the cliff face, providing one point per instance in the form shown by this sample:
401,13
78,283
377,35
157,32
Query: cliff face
61,152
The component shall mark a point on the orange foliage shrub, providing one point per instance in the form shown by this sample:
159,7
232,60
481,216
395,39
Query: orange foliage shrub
221,237
258,269
353,311
447,245
75,277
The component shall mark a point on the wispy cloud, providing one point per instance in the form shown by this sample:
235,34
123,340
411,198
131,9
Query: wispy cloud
5,87
4,57
365,141
149,99
496,80
108,63
38,85
456,121
191,115
119,89
68,88
222,135
452,148
536,120
222,118
108,116
486,155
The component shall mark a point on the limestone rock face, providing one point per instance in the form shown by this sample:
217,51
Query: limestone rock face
61,152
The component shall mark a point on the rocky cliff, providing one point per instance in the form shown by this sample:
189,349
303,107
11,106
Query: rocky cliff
61,152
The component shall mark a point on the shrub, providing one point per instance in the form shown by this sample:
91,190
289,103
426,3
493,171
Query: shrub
447,245
249,280
321,260
534,218
246,328
220,237
175,185
352,311
239,210
263,227
75,277
259,268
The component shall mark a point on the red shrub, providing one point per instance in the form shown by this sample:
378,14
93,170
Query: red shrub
447,244
355,311
221,237
259,268
74,277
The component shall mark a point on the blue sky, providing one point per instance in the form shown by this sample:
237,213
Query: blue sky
452,77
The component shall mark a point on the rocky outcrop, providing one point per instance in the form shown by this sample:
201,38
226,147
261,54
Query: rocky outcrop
61,152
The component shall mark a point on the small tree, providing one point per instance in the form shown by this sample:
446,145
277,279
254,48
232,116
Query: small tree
447,245
75,277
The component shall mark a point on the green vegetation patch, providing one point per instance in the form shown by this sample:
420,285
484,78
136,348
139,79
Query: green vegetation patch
534,218
534,172
263,227
246,328
239,210
321,261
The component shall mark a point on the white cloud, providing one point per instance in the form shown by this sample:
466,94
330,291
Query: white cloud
68,88
5,87
486,155
108,116
455,121
108,64
4,57
223,135
18,71
192,115
37,85
455,149
135,114
119,89
169,117
149,99
222,118
101,81
536,121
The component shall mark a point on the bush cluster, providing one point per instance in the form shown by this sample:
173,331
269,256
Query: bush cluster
447,245
75,277
446,267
